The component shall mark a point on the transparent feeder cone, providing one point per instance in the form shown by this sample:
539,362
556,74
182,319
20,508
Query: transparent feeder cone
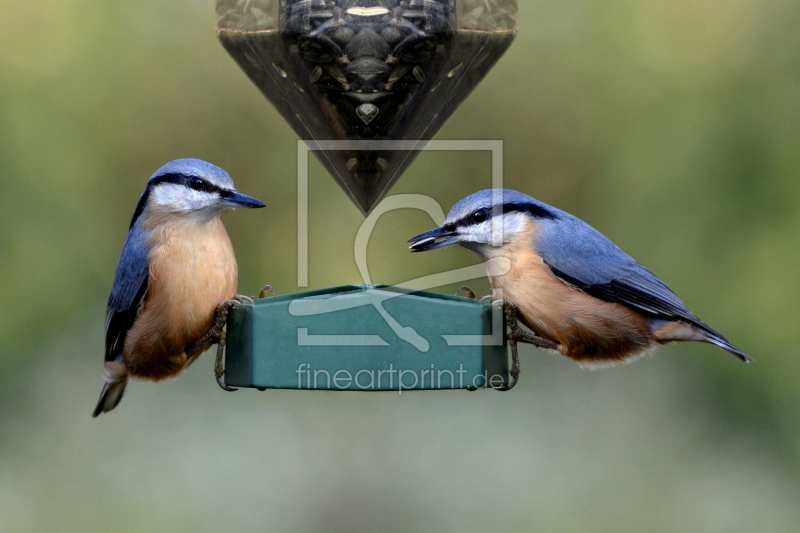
366,70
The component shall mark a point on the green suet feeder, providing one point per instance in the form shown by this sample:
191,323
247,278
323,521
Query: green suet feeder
369,338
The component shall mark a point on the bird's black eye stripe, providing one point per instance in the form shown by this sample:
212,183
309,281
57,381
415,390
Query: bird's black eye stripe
178,179
478,217
195,183
199,184
484,213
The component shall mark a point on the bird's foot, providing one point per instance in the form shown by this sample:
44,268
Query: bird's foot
264,292
215,335
517,335
470,292
514,371
520,335
510,311
219,370
217,332
223,310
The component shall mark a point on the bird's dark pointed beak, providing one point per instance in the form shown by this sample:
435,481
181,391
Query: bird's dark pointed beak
237,199
430,239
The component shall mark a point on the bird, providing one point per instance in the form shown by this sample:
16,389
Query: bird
177,265
577,291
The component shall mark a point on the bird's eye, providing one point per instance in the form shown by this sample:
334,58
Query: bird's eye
480,216
196,184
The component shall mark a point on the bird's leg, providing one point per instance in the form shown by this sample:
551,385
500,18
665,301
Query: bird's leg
221,337
213,334
470,292
510,311
514,371
216,335
219,370
517,335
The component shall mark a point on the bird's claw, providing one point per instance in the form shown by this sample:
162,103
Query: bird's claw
221,383
267,289
470,292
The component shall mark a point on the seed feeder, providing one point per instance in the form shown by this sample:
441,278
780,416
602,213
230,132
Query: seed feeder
354,70
369,338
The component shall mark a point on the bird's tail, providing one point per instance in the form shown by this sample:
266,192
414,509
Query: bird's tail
718,340
116,378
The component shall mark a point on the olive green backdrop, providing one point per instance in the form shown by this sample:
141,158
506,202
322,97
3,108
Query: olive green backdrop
670,126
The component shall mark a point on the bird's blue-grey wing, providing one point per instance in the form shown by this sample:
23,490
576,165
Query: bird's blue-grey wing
581,256
130,287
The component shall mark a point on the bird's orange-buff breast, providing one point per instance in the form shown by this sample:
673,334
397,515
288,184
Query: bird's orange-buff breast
192,270
588,329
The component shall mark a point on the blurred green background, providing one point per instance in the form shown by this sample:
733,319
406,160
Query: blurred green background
673,127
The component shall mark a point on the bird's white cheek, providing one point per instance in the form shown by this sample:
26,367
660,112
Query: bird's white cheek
476,234
176,198
170,197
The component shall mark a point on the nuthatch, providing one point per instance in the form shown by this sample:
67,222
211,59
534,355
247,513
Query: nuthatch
575,289
177,265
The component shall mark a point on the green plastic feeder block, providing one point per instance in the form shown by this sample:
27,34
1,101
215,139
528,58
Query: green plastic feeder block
369,338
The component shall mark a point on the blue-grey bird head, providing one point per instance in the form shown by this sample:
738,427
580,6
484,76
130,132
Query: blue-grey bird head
192,187
492,217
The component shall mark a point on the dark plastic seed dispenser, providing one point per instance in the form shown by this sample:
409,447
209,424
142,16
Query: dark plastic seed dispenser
353,70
